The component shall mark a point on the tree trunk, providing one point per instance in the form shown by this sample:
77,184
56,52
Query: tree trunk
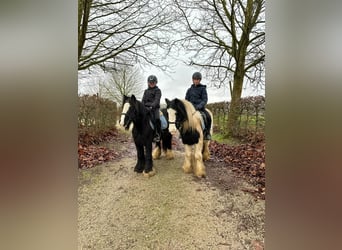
83,17
234,109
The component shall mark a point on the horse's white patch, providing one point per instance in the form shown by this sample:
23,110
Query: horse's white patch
172,119
124,110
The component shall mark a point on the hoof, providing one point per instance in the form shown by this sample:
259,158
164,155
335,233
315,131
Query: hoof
156,154
149,174
205,157
138,171
187,170
169,155
201,176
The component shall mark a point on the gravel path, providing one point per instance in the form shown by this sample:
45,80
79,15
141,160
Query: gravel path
120,209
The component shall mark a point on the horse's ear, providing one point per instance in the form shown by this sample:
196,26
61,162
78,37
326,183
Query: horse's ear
167,102
125,99
132,100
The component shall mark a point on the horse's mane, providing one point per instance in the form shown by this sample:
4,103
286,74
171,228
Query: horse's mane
139,106
188,120
191,115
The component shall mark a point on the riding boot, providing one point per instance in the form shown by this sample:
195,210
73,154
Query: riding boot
206,131
157,133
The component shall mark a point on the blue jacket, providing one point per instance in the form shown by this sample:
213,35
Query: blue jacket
197,95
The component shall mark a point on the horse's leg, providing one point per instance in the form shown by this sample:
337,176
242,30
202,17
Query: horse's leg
199,169
187,159
206,152
139,167
156,152
167,145
148,171
164,140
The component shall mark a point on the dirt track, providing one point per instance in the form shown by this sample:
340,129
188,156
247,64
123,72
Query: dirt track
119,209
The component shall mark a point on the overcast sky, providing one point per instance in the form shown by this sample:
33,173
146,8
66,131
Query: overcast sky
174,85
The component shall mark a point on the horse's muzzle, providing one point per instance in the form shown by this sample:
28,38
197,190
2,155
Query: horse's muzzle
127,124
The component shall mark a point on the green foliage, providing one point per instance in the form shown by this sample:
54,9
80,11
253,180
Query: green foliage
251,118
225,139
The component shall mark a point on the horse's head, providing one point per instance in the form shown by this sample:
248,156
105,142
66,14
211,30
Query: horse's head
130,117
188,127
178,106
131,114
124,108
128,114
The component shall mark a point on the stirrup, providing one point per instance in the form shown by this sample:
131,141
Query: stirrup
207,136
156,138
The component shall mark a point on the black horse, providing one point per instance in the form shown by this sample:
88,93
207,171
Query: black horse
143,132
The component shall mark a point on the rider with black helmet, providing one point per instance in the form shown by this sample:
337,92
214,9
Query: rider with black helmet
198,96
151,100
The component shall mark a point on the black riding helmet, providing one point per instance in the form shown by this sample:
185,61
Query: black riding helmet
152,78
197,75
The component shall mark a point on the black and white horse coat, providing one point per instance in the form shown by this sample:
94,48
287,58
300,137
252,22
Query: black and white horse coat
189,123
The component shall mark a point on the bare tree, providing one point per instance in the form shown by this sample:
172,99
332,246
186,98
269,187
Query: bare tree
118,33
228,40
126,81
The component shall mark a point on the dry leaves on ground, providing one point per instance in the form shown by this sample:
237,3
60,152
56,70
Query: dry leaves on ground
90,153
246,160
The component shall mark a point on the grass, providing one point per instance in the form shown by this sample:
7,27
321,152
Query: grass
223,138
245,124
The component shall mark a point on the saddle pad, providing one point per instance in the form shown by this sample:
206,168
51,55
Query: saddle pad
202,119
163,122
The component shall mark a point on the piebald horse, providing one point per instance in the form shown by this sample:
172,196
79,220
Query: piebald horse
190,123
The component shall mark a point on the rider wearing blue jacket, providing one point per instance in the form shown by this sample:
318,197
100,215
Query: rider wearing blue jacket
198,96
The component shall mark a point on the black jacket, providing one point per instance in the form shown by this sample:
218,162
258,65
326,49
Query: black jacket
197,95
151,97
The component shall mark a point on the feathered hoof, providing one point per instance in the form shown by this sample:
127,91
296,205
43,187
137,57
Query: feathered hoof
187,170
205,157
169,155
200,175
156,154
149,174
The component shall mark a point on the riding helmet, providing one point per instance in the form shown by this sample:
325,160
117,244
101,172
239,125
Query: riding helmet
152,78
197,75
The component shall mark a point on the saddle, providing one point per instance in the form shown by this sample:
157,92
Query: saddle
205,118
163,122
